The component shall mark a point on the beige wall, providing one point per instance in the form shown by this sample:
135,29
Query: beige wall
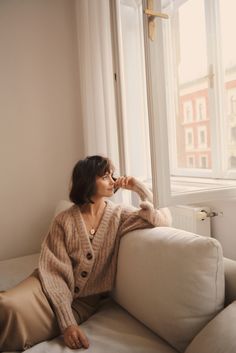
40,125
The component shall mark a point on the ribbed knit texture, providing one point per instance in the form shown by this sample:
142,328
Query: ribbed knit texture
70,266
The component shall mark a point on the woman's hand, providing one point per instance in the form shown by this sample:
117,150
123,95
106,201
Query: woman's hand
75,338
125,182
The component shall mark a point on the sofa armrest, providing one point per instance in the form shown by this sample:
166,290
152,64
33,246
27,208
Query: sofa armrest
218,335
170,280
230,280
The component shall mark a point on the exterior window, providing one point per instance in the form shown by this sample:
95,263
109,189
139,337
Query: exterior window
189,143
190,161
188,112
232,162
203,162
202,137
233,105
201,109
233,134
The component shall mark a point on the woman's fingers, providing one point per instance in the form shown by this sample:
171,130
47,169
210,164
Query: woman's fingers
75,341
125,182
83,338
75,338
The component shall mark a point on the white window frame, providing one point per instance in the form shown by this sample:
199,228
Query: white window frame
155,62
120,89
158,123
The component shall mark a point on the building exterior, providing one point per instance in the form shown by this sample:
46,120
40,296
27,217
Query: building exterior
193,127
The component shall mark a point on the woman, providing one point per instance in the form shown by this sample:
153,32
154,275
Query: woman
78,259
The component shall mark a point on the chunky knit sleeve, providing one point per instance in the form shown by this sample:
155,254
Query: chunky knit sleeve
144,217
56,274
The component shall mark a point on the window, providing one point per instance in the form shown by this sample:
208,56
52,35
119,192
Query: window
189,143
232,162
203,161
232,104
233,134
130,71
188,111
202,137
201,109
195,70
231,95
190,161
188,80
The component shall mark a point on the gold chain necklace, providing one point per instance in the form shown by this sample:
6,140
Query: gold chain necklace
94,226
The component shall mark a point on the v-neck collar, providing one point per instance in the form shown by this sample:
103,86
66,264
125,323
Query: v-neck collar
101,230
100,220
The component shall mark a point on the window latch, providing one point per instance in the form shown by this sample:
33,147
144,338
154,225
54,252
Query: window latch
151,14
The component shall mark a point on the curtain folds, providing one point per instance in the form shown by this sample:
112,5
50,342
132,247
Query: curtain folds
96,78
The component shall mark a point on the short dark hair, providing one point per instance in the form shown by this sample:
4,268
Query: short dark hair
83,179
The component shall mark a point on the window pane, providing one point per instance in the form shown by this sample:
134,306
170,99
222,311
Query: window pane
228,29
192,83
135,96
185,85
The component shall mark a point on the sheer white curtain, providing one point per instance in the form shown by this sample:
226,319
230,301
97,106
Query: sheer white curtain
96,78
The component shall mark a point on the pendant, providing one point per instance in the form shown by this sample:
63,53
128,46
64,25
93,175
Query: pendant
92,231
91,236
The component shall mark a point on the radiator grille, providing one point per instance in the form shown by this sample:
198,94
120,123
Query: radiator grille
192,219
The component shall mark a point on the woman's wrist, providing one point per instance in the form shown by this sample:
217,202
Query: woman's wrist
133,184
142,190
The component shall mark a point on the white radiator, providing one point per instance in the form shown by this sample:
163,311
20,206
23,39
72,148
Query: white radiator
192,219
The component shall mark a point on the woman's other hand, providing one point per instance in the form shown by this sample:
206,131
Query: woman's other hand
75,338
125,182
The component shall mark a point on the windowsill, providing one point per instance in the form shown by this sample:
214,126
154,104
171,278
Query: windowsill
189,184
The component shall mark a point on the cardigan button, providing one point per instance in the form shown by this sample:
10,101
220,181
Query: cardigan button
84,274
76,289
89,256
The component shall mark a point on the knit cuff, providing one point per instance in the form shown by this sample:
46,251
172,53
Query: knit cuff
146,205
159,217
65,316
143,191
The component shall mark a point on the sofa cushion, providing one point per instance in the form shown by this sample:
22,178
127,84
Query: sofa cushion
218,335
110,330
171,280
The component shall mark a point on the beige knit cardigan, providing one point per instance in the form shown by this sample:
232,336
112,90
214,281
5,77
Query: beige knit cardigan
70,266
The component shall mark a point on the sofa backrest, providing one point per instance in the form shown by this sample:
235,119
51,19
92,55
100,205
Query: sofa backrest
171,280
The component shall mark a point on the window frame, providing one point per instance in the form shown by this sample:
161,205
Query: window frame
162,161
157,114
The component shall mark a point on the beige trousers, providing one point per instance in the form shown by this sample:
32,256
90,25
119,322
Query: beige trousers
26,318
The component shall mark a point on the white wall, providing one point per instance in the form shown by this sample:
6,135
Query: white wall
224,226
40,127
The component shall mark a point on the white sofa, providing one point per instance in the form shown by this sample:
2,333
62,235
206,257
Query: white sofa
174,293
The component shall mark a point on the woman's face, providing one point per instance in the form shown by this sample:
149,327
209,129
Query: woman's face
105,185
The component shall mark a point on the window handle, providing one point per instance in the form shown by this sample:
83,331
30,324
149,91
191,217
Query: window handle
151,14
